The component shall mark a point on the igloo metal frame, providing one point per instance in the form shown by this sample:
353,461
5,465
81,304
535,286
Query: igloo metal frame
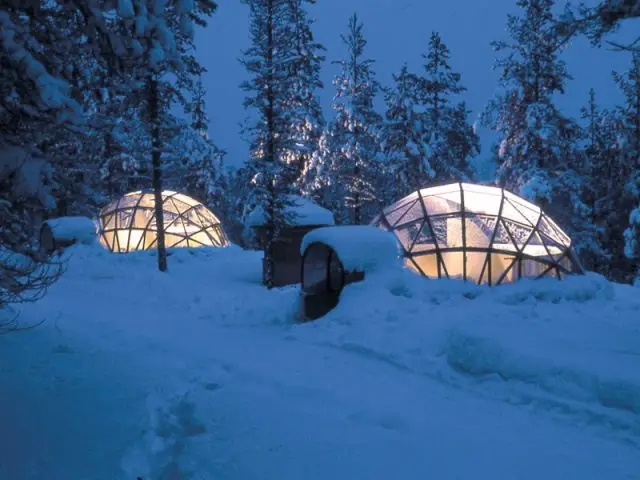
488,221
129,223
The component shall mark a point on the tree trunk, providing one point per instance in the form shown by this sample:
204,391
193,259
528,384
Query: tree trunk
156,170
272,223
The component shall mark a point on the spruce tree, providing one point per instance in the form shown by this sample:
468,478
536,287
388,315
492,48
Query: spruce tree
306,117
537,156
450,140
630,133
405,130
272,167
354,167
604,170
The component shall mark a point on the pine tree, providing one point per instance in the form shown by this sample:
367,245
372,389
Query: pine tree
405,130
630,115
450,139
269,62
537,157
604,170
306,117
354,167
600,20
199,119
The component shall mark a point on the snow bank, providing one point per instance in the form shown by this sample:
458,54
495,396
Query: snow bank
360,248
304,213
80,229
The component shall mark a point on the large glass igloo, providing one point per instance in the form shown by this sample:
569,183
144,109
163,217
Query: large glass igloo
129,223
478,233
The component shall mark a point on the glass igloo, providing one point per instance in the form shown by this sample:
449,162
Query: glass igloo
478,233
129,223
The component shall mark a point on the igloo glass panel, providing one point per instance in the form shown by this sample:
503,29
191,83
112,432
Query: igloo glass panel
141,218
428,264
533,268
398,210
536,247
488,204
108,222
510,212
479,230
530,211
106,239
550,229
407,234
128,201
415,212
503,268
454,261
135,239
447,231
454,232
424,241
475,264
148,201
171,240
124,218
182,206
440,190
170,206
520,234
555,249
443,204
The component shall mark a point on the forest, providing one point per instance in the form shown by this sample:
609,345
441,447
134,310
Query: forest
103,97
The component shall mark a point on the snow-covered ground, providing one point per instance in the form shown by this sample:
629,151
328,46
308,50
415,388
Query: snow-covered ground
201,373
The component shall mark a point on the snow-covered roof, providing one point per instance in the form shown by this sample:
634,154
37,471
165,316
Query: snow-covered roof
305,213
359,247
82,229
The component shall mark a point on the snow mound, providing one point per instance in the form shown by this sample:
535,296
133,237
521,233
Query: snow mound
304,213
360,248
80,229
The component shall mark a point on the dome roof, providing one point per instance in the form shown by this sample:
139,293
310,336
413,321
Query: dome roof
479,233
129,223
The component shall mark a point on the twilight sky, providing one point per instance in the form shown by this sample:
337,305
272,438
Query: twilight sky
396,31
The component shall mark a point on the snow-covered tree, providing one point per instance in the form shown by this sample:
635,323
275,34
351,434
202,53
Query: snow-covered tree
537,156
404,134
629,83
306,117
353,165
450,140
199,119
605,170
273,169
51,55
